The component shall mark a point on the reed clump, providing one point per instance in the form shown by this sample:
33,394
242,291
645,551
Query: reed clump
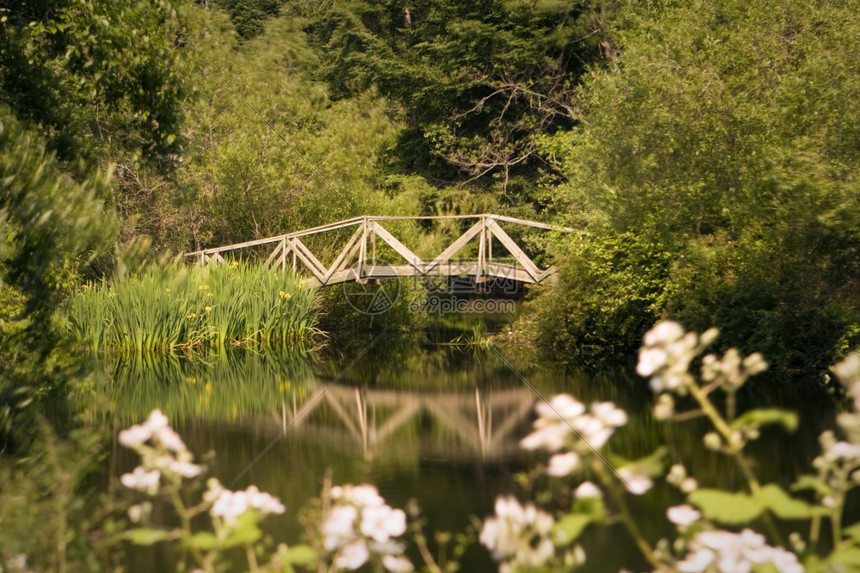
176,307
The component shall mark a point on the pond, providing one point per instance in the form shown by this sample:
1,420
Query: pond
437,422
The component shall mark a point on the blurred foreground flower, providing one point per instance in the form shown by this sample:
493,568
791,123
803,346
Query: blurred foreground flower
360,524
518,536
728,552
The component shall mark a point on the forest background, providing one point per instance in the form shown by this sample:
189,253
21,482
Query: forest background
707,153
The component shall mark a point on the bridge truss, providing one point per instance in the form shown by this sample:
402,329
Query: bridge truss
357,260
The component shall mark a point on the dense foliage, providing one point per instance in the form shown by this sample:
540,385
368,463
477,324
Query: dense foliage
708,153
725,136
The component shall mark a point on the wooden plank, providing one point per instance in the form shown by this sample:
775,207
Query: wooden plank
302,233
455,247
514,249
274,254
302,248
401,249
344,253
308,263
535,224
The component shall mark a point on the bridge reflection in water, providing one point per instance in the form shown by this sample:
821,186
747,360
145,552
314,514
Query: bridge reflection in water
453,424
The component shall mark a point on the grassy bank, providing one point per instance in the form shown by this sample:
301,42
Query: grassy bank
177,307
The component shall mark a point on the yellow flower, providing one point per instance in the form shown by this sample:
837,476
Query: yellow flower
203,287
208,308
209,294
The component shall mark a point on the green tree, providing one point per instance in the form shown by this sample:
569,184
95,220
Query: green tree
52,227
727,134
477,83
98,77
268,151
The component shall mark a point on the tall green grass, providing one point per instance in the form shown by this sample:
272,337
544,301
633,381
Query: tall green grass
175,307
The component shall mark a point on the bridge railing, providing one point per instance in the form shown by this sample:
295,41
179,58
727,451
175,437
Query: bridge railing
357,259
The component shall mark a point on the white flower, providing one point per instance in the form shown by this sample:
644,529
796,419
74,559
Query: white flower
397,564
587,489
607,413
635,480
366,495
339,526
665,407
361,495
689,485
134,436
550,438
263,501
142,480
562,406
214,489
651,360
135,512
230,505
561,465
382,523
696,562
844,450
683,515
517,535
735,552
184,469
352,556
592,431
563,415
156,421
169,439
664,332
848,371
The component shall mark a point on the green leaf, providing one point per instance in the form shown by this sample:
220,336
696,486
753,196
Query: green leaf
783,505
147,536
570,527
594,507
244,532
724,507
808,481
765,416
853,532
300,555
849,557
204,540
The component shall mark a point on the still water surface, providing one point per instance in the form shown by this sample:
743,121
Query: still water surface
437,423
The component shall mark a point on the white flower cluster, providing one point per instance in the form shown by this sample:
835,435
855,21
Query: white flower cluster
518,536
666,354
229,505
678,477
728,552
732,369
683,515
848,372
360,523
162,451
564,416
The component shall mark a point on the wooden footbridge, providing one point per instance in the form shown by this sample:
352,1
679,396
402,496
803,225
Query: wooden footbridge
357,259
